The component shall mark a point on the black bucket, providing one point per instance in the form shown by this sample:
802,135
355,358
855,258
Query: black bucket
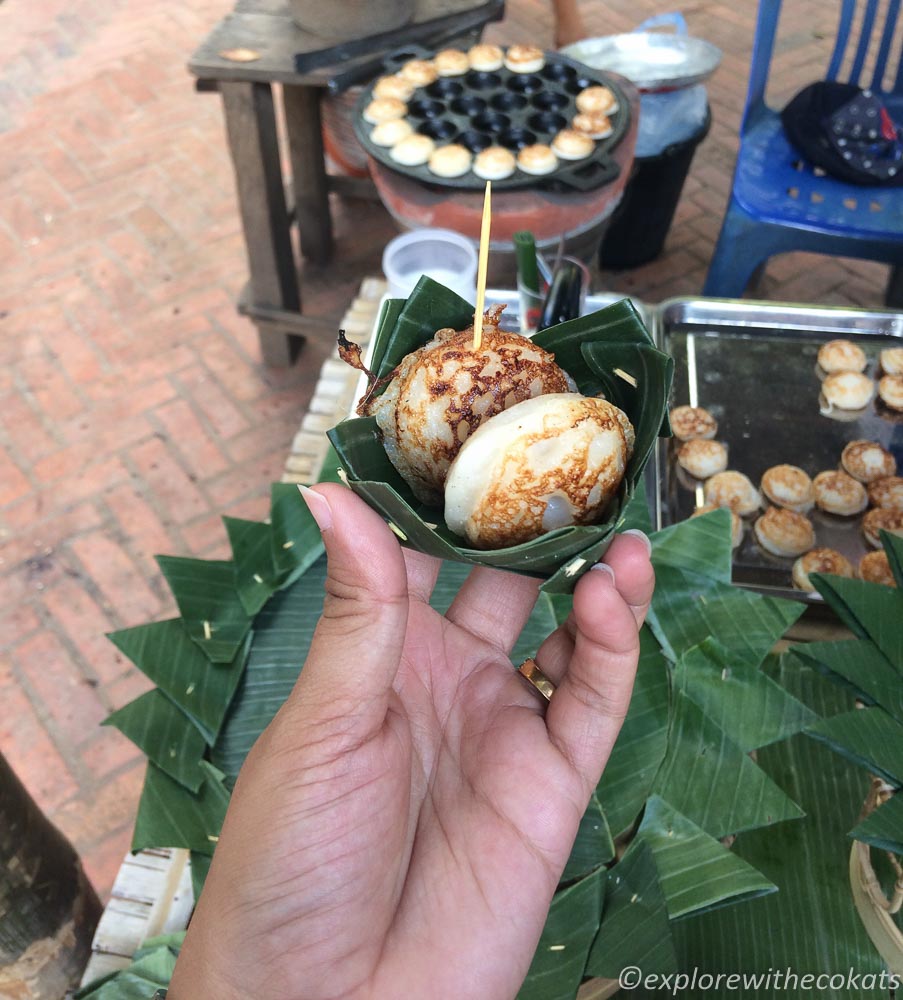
640,224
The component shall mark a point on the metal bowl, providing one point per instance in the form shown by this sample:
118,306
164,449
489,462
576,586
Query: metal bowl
651,60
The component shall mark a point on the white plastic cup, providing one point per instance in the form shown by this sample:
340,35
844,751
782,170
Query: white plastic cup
442,254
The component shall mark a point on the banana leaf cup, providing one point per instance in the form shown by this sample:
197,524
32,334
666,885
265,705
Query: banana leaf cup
608,352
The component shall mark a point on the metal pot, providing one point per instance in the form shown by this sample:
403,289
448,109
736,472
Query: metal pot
343,20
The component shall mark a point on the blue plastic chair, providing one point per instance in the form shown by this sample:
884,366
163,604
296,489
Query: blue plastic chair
778,203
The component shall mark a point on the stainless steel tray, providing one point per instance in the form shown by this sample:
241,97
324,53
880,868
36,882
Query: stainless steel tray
753,365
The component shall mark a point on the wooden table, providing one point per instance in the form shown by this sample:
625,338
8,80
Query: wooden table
267,43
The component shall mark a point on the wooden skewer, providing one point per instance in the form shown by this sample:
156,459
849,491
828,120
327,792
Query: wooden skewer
482,263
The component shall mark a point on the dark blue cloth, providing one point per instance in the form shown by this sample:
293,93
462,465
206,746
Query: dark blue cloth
847,132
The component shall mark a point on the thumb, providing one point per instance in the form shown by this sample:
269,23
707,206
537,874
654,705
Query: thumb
357,645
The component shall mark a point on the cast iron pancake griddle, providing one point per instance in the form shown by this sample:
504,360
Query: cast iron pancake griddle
481,109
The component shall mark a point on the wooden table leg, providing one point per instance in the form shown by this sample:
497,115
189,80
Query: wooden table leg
253,143
309,180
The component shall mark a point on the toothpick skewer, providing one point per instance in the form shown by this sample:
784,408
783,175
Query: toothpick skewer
482,263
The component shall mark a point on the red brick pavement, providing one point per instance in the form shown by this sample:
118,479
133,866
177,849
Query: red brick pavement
134,408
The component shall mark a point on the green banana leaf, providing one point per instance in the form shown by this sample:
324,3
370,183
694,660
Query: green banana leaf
636,514
700,545
200,868
331,470
151,969
589,348
868,737
653,385
634,929
283,630
296,542
619,323
172,941
893,546
158,728
688,607
557,967
709,779
208,600
884,827
593,846
137,982
268,556
407,324
641,745
256,579
169,815
167,655
739,698
696,872
870,610
872,667
810,925
861,667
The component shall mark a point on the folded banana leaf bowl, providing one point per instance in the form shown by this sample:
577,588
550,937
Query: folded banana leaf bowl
607,353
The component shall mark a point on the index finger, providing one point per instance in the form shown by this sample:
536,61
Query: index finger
494,605
422,571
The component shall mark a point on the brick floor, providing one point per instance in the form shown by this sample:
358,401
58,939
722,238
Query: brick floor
134,408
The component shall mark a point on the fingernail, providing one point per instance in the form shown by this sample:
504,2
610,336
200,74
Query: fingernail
318,506
605,569
644,538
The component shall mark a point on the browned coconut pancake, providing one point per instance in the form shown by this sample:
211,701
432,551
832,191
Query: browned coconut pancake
734,490
784,533
875,568
839,493
841,356
819,561
887,493
789,486
701,458
878,520
867,461
688,422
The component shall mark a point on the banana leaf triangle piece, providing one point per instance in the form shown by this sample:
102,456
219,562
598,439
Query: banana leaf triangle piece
608,352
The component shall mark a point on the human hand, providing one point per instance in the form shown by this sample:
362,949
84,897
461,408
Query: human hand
569,31
400,827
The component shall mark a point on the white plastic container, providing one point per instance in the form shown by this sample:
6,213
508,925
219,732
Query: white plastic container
442,254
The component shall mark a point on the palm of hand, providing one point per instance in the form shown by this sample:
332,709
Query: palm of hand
495,808
464,767
400,827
